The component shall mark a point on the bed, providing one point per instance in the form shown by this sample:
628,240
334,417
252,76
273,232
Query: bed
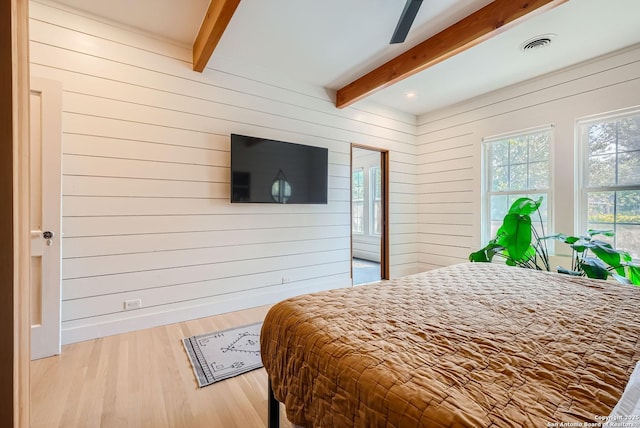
470,345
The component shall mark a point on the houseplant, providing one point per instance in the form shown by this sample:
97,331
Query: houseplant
519,243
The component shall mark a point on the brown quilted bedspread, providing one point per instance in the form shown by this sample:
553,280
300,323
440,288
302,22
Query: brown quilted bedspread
471,345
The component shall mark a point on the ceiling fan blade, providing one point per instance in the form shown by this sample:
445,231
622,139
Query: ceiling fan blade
406,19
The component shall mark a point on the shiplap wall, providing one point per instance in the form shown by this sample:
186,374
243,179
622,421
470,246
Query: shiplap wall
449,147
146,211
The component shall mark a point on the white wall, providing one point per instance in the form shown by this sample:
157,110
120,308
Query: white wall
449,162
146,211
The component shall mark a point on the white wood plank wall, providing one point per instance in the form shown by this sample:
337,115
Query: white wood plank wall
449,147
146,211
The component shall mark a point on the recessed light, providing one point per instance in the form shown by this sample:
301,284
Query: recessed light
410,94
537,42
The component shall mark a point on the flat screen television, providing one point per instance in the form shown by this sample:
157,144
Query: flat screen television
270,171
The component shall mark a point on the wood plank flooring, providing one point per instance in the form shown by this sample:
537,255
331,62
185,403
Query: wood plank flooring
144,379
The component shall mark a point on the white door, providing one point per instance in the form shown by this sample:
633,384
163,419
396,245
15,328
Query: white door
45,165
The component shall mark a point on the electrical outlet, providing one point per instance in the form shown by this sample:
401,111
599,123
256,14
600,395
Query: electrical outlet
132,304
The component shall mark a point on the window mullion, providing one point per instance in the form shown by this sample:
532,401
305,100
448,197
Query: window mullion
617,156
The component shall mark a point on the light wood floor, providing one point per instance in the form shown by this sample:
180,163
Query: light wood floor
144,379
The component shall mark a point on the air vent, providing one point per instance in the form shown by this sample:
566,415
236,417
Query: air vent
537,42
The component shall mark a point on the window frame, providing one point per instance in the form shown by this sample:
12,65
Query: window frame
359,201
373,190
486,182
581,220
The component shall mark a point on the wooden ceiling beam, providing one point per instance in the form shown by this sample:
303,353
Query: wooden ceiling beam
470,31
218,16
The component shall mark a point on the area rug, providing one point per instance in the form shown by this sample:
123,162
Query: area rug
224,354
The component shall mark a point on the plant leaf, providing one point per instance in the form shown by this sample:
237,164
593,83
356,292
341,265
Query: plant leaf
607,254
593,232
518,235
525,206
571,239
558,236
530,253
594,268
485,255
634,274
568,272
601,243
479,256
621,279
579,248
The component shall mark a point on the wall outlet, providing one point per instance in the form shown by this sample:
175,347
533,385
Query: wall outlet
132,304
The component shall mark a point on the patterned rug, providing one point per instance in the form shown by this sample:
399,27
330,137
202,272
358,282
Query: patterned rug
224,354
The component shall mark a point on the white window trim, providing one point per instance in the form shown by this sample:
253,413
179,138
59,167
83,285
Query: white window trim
485,231
372,200
581,159
361,201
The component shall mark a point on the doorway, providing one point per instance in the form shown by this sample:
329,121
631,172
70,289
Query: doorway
369,213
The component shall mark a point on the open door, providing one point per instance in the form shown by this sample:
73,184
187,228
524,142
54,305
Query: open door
45,193
369,212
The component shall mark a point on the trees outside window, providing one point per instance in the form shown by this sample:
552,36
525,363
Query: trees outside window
610,177
516,165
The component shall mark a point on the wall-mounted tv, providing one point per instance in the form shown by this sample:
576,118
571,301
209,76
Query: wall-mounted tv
270,171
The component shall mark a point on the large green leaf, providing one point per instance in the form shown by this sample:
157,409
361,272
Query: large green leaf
479,256
525,206
607,254
503,239
518,234
530,253
594,268
485,255
634,274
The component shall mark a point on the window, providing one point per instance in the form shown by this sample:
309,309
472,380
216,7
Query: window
376,198
516,166
357,186
610,176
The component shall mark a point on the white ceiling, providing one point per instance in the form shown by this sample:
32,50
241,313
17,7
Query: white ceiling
330,43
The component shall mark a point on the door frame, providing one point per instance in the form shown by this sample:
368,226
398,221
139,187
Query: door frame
14,76
384,235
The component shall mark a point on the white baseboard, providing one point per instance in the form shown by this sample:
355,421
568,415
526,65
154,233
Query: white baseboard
137,320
